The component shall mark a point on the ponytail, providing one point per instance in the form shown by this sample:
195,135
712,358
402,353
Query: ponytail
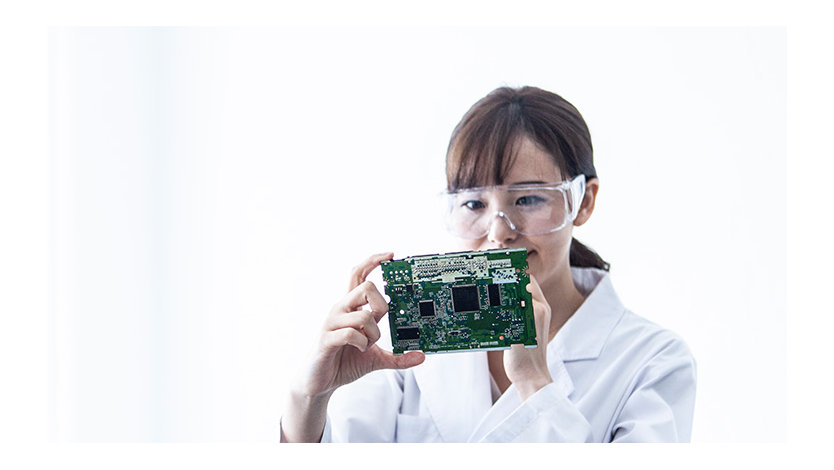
583,257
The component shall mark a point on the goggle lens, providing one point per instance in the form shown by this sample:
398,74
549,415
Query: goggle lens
528,209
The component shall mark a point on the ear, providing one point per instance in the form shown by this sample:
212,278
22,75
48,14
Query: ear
587,207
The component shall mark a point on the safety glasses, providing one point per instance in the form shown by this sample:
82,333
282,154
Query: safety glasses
529,209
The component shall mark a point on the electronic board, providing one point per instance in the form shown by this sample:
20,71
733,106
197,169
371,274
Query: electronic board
472,300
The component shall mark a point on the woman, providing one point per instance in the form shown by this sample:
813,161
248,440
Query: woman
600,373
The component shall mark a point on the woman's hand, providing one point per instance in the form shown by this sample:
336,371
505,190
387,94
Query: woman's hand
345,351
527,368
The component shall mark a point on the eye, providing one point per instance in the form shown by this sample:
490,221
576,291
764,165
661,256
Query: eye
473,204
528,201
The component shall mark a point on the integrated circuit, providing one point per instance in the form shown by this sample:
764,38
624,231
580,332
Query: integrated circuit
426,308
472,300
465,298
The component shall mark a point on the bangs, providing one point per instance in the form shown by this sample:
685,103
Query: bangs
485,144
481,157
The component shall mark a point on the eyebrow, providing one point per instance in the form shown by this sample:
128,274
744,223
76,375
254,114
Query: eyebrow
527,182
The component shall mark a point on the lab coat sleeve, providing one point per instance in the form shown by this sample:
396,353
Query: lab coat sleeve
657,406
365,410
660,404
547,416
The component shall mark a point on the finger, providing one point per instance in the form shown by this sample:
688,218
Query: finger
541,310
344,337
536,290
361,271
365,294
361,320
538,296
387,360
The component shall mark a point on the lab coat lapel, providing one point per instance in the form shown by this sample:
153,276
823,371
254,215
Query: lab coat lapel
584,335
558,371
456,390
456,387
510,400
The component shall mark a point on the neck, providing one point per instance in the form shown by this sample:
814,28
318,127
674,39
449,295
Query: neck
564,300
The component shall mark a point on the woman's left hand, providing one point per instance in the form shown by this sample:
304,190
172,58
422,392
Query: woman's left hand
527,367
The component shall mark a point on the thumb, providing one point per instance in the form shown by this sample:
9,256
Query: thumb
387,360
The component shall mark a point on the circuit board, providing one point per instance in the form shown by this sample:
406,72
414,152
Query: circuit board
472,300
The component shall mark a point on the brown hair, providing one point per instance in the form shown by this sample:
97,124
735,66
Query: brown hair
483,144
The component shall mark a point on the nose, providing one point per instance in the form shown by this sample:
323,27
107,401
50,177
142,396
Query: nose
501,229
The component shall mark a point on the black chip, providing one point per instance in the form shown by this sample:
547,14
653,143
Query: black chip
426,308
494,295
408,333
409,288
465,299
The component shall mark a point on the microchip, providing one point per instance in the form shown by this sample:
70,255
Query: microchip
465,299
408,333
427,308
494,291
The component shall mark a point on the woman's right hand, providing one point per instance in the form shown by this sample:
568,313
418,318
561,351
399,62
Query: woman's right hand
345,351
346,348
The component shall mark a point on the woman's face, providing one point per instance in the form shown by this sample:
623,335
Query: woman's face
547,254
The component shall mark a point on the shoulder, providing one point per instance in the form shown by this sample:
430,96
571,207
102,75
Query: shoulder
605,325
647,334
650,348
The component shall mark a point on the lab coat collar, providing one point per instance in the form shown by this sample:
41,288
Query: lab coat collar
584,334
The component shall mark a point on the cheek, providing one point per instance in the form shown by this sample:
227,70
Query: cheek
551,252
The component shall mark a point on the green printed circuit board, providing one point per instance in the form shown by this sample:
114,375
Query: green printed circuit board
474,300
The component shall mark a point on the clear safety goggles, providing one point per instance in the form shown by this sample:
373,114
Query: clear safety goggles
529,209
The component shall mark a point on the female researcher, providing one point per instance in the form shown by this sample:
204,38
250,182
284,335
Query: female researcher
520,174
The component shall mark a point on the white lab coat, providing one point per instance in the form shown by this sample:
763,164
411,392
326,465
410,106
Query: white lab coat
616,377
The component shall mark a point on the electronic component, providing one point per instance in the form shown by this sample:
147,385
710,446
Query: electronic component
426,308
465,299
474,300
494,291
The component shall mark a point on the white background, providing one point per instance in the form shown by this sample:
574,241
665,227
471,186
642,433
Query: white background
24,238
211,188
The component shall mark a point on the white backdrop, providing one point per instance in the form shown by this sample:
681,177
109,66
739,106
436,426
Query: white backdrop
212,188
